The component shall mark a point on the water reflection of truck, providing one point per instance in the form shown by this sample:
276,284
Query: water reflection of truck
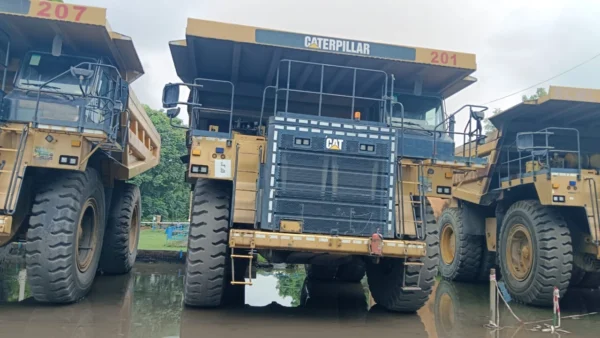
317,151
72,132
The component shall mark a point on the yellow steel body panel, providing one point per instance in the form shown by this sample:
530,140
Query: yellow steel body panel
5,226
247,34
223,166
490,233
143,148
252,239
291,226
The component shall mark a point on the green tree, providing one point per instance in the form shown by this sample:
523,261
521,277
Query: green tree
488,127
164,191
289,284
540,92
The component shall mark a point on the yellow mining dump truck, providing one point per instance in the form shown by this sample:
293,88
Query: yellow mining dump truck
318,151
535,205
71,134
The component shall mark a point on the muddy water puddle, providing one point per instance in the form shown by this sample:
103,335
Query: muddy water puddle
148,303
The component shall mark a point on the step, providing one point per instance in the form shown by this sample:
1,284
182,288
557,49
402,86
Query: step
414,263
411,288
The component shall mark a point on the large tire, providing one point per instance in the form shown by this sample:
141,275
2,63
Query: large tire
207,254
65,235
322,273
460,252
488,262
352,272
386,278
122,230
545,257
586,271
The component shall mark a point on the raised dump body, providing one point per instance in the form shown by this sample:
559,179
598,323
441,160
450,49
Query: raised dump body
319,151
72,133
535,205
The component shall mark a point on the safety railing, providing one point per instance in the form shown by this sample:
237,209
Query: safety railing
10,202
537,155
288,64
108,109
472,134
171,100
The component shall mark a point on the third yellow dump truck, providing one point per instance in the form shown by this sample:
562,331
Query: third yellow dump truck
71,134
534,209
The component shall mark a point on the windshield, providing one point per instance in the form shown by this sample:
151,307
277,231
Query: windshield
39,68
424,111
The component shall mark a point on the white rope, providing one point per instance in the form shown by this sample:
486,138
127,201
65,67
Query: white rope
508,306
546,328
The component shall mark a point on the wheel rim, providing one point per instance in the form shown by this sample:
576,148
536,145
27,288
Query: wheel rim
446,312
448,244
86,235
519,252
133,229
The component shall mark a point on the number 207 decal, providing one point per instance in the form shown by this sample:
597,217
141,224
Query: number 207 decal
60,11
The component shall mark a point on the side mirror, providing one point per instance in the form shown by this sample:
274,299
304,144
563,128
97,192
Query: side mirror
82,73
478,115
119,106
170,95
173,112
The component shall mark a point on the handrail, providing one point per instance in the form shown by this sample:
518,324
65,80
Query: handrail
230,111
14,175
546,132
451,119
262,108
595,207
321,91
234,183
90,65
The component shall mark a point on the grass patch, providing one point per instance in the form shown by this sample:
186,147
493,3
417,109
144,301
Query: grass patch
157,240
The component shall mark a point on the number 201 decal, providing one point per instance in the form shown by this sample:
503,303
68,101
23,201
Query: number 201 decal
60,11
443,58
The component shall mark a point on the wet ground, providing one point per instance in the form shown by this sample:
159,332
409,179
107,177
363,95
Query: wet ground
148,303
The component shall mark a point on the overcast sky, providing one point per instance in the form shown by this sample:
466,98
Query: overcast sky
517,42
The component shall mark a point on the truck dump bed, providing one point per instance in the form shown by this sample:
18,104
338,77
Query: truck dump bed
250,57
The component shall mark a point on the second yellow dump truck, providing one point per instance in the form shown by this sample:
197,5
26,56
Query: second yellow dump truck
319,151
534,209
71,134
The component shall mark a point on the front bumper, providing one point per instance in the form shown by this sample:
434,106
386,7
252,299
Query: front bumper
253,239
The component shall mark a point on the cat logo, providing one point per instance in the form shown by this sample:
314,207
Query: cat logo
333,144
